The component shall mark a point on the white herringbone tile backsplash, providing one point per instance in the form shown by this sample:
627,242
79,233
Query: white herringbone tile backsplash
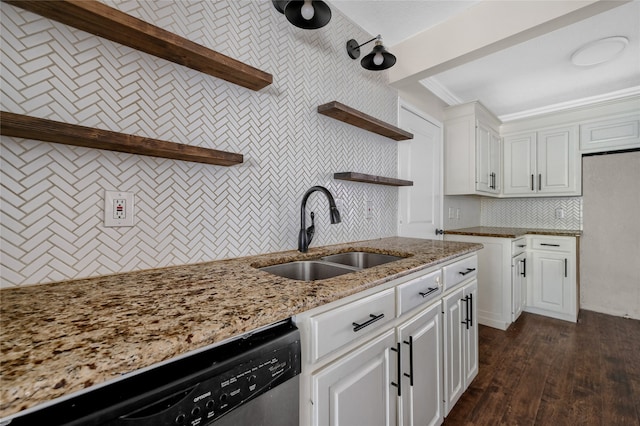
532,212
52,195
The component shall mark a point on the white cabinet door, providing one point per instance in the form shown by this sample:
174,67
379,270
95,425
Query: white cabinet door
542,163
518,282
470,332
421,339
551,283
453,351
519,164
557,156
487,159
357,389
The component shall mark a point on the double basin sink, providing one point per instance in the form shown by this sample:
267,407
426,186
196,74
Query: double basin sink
329,266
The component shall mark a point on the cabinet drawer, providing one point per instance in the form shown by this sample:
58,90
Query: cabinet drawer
419,291
553,244
337,327
460,271
518,246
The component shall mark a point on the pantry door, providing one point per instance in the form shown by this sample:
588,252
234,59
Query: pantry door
420,160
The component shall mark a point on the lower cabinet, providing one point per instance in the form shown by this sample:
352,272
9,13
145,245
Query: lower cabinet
495,286
391,368
422,388
460,342
519,284
553,291
357,389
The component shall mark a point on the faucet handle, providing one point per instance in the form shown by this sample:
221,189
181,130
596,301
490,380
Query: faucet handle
311,230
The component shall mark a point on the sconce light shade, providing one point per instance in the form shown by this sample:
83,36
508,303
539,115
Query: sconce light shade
379,59
306,14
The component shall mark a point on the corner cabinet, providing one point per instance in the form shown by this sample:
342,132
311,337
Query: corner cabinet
542,163
472,151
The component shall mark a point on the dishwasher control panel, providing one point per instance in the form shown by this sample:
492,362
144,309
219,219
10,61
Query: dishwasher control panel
215,396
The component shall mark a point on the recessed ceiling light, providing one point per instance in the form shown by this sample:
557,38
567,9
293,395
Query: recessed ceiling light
599,51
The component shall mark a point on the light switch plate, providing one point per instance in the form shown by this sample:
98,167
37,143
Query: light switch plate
118,208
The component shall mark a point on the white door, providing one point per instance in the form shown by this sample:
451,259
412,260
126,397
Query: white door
420,160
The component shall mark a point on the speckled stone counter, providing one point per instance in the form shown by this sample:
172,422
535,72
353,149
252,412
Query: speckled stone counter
499,232
60,338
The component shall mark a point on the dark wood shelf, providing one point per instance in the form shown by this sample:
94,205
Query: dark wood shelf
99,19
378,180
23,126
359,119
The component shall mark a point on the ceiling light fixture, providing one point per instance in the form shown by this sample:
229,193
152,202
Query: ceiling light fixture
599,51
307,14
379,58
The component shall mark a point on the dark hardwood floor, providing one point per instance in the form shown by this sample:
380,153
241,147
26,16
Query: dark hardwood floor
543,371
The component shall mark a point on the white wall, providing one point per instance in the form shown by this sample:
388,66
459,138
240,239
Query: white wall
610,245
52,195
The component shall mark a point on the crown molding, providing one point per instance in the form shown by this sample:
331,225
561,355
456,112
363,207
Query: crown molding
440,91
577,103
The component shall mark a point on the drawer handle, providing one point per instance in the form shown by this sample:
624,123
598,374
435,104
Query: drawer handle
431,290
522,245
469,270
550,245
374,318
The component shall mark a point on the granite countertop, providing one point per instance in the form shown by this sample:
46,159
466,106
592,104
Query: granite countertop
495,231
60,338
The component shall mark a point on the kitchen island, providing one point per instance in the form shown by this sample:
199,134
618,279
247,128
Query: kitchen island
63,337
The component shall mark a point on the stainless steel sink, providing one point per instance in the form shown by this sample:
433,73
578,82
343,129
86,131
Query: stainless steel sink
361,259
308,270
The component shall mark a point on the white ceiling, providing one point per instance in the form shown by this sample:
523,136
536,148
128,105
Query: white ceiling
523,79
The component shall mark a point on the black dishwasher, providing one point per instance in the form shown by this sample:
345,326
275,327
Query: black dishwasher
249,380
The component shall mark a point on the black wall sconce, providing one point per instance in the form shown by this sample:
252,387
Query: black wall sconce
379,59
307,14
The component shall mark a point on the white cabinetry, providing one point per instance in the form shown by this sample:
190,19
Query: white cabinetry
472,151
357,390
460,342
553,291
422,388
610,133
494,301
518,277
377,358
542,163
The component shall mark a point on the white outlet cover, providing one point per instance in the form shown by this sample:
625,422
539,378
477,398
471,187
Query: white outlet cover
110,217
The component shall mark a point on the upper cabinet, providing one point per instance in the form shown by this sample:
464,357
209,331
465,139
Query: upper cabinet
538,156
621,131
542,163
472,151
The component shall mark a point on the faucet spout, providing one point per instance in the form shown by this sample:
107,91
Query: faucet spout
305,235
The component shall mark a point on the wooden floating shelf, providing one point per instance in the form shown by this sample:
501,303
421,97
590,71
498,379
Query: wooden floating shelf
359,119
23,126
379,180
99,19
